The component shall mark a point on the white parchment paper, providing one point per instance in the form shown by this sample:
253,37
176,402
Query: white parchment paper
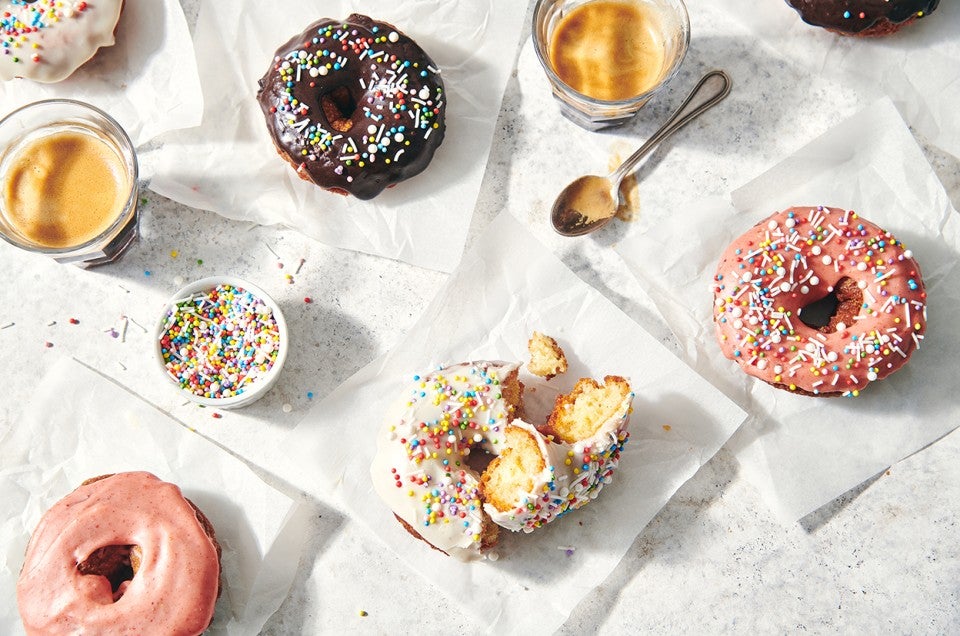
147,81
802,452
506,287
79,425
229,164
918,67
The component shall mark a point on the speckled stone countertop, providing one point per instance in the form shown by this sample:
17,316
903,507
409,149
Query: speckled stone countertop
884,557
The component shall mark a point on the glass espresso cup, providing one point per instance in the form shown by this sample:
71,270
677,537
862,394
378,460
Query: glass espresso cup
605,59
68,182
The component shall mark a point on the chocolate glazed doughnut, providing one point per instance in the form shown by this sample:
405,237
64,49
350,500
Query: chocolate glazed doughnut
355,106
862,17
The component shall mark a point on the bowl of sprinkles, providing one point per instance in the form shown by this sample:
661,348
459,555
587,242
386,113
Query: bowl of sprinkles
222,341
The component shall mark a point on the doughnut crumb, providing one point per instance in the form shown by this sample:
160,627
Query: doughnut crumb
547,359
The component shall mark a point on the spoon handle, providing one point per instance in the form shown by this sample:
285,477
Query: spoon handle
705,95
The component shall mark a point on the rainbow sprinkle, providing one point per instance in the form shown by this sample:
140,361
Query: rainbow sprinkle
218,343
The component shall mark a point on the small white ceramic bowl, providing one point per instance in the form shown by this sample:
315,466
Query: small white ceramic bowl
258,386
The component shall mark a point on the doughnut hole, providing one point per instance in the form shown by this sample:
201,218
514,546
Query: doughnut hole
839,306
338,107
116,563
508,477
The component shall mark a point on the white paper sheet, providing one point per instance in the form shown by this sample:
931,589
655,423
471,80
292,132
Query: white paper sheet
79,425
229,164
802,452
506,287
147,81
918,67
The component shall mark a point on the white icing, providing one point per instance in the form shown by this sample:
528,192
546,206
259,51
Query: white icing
68,34
432,408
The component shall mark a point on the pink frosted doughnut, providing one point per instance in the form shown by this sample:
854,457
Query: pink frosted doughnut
801,255
176,576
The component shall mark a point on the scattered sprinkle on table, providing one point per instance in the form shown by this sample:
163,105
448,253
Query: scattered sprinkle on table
216,344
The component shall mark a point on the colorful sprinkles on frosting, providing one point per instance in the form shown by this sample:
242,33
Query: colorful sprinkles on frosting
472,415
395,109
23,18
216,344
870,17
759,283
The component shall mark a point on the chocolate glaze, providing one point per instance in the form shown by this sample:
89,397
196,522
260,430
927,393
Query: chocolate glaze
366,115
878,14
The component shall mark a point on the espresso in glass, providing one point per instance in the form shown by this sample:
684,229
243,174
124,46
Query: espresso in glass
605,59
69,183
610,50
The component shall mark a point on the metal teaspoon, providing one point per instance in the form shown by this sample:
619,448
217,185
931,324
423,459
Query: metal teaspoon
588,203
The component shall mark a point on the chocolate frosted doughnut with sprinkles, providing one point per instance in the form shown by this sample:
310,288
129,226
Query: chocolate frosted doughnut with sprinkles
355,106
819,301
862,17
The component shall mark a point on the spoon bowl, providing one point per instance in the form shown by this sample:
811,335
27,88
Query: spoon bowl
590,202
585,205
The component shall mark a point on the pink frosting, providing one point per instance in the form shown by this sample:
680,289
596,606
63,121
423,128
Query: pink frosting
175,589
796,257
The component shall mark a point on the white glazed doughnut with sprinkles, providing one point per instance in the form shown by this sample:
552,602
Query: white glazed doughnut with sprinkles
431,440
798,257
355,106
47,40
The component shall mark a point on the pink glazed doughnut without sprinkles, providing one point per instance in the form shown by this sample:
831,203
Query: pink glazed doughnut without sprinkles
804,256
73,579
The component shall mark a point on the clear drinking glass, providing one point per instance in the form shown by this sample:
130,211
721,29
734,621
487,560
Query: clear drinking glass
85,240
672,25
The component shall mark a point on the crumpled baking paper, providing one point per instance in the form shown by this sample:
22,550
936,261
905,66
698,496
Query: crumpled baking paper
79,424
918,67
147,81
802,452
507,286
229,164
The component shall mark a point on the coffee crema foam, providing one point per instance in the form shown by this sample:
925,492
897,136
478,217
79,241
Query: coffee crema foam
64,188
610,50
